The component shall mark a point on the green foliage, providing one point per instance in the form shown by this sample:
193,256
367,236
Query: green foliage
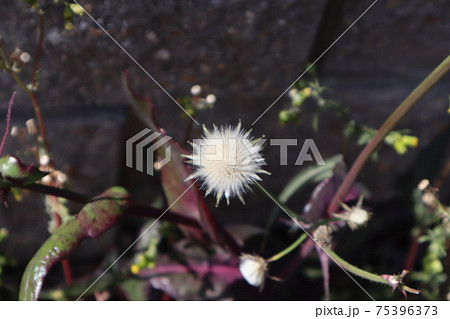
4,261
11,169
311,90
433,220
195,102
70,10
400,141
93,220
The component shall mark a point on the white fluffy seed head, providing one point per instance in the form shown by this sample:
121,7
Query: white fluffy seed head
253,269
227,161
355,216
358,217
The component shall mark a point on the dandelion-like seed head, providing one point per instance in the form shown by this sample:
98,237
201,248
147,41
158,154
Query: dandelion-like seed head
227,160
355,216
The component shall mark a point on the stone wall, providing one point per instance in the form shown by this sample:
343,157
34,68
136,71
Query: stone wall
246,53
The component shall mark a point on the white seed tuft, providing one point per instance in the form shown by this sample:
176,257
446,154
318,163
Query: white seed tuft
227,161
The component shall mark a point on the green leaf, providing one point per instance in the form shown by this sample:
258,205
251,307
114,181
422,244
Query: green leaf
12,170
313,174
93,220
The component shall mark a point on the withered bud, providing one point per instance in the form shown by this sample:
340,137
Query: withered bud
31,127
322,235
15,56
14,131
423,184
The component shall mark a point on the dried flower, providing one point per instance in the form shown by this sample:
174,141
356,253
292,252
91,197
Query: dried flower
355,216
430,193
396,281
31,127
227,161
254,269
323,235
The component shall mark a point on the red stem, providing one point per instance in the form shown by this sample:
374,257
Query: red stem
67,271
412,253
384,130
8,123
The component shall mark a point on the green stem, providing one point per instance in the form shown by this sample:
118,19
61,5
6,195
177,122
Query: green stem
290,248
384,130
353,269
301,239
8,68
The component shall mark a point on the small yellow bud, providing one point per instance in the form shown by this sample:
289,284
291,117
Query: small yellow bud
306,92
135,269
77,9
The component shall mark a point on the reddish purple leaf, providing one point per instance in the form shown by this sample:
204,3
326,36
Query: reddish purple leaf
322,195
182,197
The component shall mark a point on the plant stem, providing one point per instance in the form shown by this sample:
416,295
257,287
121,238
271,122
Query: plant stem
353,269
37,55
301,239
58,192
384,130
35,103
290,248
8,123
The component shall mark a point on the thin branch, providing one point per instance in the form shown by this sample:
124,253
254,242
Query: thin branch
384,130
8,123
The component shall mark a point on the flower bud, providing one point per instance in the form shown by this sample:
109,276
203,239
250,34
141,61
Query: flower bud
15,56
25,57
31,127
358,217
254,269
196,90
211,99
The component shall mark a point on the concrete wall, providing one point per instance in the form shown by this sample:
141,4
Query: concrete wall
246,53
